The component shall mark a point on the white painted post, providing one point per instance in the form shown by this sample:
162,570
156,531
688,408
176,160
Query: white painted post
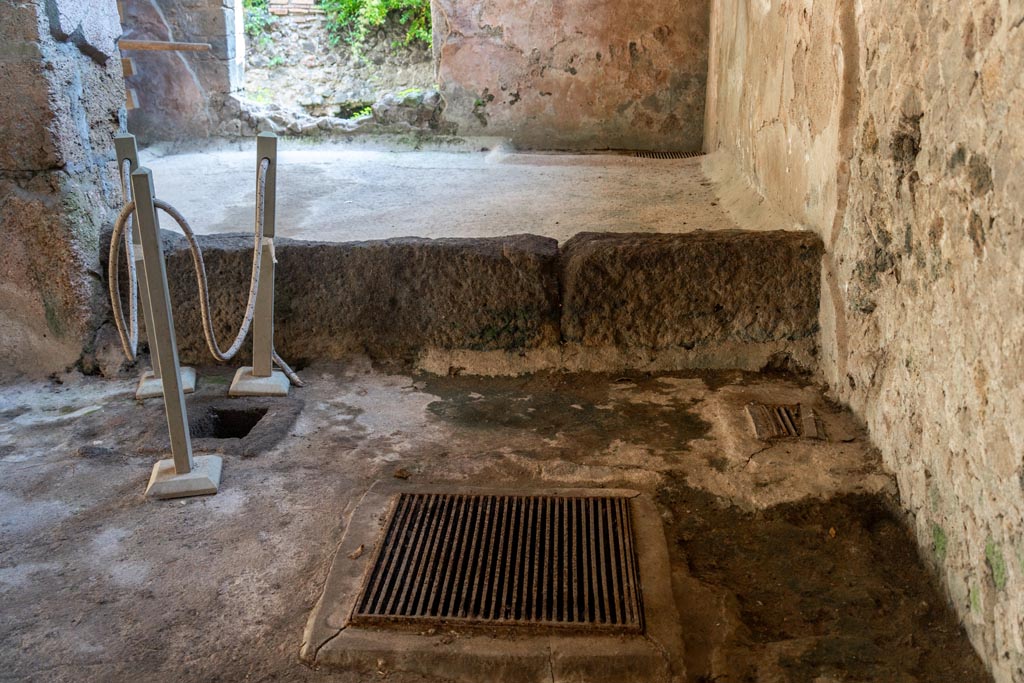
149,384
181,475
263,323
261,379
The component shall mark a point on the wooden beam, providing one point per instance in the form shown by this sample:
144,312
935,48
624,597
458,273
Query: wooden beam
163,45
127,66
131,99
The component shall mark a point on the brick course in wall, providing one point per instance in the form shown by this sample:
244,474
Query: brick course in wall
284,8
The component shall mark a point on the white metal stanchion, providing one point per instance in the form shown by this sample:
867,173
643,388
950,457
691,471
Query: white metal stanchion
150,385
261,379
182,474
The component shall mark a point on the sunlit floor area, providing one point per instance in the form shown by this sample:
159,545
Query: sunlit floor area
344,192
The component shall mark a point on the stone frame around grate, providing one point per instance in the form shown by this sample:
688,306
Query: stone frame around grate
497,653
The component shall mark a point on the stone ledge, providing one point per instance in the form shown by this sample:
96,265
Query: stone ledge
690,291
514,305
387,299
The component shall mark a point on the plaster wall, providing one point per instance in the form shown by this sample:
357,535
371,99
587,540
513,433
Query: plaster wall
575,75
182,94
895,130
57,175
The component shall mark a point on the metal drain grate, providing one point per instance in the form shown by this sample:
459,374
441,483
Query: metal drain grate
511,560
778,421
667,155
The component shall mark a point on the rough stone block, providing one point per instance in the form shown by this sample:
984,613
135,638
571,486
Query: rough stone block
389,299
25,120
93,27
690,290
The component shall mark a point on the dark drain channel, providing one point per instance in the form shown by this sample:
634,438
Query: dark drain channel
667,155
545,561
779,421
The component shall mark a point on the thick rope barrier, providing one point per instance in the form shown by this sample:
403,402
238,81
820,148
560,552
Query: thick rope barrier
129,253
128,331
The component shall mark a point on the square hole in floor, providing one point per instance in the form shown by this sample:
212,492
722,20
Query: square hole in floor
225,423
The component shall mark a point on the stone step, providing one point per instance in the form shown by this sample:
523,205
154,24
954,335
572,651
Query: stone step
725,299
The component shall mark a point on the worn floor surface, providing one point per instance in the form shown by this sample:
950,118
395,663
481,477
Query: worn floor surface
788,563
342,193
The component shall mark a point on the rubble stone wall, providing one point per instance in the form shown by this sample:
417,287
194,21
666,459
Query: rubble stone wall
297,63
896,131
60,67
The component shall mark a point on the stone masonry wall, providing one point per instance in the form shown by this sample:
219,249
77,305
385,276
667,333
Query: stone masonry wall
896,131
590,75
61,72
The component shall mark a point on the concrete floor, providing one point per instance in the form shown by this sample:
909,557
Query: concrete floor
343,193
100,584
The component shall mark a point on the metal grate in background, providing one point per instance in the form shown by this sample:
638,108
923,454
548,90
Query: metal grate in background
667,155
779,421
509,560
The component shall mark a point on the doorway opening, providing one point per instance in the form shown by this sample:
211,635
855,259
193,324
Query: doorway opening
338,58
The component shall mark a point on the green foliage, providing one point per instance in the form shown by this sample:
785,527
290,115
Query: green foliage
257,17
276,61
362,113
352,20
260,95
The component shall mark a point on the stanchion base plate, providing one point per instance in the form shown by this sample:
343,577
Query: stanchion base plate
245,384
151,386
203,480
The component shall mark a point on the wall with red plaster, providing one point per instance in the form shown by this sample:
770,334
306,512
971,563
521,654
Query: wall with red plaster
595,74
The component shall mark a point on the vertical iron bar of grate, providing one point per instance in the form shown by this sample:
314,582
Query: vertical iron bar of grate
424,572
551,605
455,553
585,519
394,552
512,599
466,558
402,578
468,600
624,555
499,568
493,556
565,558
605,614
526,589
616,592
782,413
382,553
539,590
574,558
631,556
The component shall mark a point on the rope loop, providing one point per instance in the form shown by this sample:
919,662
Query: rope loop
128,331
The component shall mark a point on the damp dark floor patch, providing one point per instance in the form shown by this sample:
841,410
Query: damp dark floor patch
781,421
528,585
507,560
